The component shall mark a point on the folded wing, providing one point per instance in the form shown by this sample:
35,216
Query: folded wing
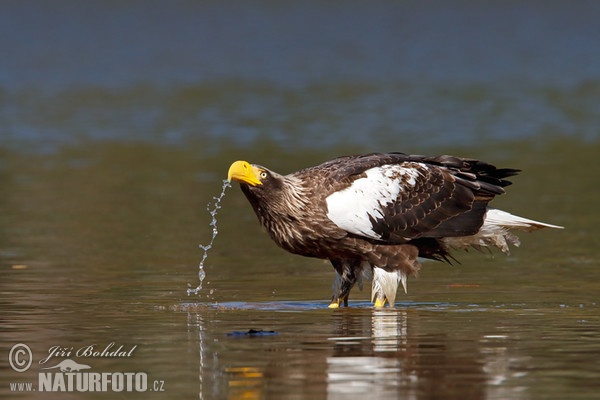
402,198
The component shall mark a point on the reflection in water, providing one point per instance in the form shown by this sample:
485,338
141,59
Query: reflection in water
390,329
379,353
499,366
362,376
350,373
245,383
398,362
195,324
386,356
214,379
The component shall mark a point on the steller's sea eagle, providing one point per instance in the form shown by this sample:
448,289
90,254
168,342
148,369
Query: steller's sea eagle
373,215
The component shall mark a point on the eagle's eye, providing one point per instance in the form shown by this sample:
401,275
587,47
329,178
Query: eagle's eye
263,175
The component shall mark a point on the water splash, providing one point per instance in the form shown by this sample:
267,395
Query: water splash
205,248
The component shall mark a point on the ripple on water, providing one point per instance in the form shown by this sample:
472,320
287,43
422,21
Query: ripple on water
298,306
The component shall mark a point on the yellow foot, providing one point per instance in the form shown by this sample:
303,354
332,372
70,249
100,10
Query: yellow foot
334,304
379,303
337,303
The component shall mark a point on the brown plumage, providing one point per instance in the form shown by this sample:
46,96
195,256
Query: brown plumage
373,215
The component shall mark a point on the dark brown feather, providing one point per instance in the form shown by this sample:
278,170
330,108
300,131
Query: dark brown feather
449,199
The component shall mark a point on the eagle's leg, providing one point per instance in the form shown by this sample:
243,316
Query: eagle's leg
345,278
385,285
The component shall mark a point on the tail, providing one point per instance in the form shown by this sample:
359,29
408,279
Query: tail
507,220
496,231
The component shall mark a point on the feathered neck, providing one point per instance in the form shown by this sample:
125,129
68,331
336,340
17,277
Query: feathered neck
281,205
280,197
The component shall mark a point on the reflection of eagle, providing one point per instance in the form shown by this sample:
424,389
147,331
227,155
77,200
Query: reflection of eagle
373,215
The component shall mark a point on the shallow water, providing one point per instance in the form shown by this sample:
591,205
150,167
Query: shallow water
111,262
115,139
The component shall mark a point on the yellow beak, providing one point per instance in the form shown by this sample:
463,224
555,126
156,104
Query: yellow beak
242,171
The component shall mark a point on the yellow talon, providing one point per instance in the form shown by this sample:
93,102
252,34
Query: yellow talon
337,303
379,303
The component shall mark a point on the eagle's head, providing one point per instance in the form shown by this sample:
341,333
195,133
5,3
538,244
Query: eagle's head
269,191
277,200
259,183
256,177
244,172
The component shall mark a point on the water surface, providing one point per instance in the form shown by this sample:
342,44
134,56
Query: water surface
118,122
111,261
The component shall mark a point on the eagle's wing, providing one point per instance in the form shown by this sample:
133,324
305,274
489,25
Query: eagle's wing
395,198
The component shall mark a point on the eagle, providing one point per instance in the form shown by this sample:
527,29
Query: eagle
373,216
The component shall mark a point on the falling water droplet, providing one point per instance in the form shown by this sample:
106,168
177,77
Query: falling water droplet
205,248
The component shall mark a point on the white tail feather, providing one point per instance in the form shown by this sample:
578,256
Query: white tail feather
495,231
497,217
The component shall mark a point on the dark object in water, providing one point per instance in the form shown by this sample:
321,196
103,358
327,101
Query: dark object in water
253,333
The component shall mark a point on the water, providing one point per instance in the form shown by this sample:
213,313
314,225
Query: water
364,76
119,120
215,232
90,269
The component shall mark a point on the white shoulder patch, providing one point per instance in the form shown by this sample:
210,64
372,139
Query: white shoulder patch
350,209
